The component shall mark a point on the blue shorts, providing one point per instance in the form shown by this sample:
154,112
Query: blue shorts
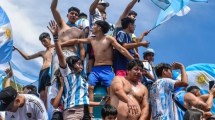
102,74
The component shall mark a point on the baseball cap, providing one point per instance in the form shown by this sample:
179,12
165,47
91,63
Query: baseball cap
149,50
7,98
104,3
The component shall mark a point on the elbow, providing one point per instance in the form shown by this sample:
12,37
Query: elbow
207,108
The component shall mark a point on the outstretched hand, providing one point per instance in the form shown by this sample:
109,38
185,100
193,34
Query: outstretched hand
53,28
9,72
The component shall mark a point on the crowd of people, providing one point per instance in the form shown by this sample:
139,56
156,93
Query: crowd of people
92,52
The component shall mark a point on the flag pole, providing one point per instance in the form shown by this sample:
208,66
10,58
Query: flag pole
13,76
154,27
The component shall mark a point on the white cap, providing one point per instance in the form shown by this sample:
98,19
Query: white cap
149,50
103,2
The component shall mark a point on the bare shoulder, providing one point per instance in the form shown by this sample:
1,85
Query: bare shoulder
117,79
143,87
110,38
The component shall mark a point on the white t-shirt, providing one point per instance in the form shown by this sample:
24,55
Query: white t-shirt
161,99
150,70
33,109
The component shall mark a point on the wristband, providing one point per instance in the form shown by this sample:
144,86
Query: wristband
55,37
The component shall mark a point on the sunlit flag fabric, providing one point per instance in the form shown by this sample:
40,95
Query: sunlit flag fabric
23,78
200,75
163,4
6,42
177,7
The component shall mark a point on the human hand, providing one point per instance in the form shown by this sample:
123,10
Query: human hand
132,108
53,28
177,65
146,33
14,48
136,55
9,72
145,43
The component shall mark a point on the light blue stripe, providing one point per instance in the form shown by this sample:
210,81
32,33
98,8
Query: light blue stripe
3,17
70,90
78,90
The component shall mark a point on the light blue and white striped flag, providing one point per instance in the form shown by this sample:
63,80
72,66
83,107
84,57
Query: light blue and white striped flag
6,41
200,75
163,4
23,78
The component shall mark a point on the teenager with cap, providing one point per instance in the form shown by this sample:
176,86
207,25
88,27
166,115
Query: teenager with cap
149,72
21,106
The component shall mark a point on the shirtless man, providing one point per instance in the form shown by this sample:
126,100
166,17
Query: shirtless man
66,31
103,49
44,78
129,95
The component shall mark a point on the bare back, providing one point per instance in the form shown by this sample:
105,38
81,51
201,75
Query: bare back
135,93
68,33
102,51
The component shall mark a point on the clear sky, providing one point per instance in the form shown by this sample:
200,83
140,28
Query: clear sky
188,39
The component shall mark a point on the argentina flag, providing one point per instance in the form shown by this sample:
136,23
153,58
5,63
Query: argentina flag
23,78
163,4
6,41
200,75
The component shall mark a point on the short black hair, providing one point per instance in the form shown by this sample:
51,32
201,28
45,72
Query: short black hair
82,15
193,114
160,67
132,13
104,25
133,63
44,35
30,87
191,88
71,61
74,9
108,110
126,21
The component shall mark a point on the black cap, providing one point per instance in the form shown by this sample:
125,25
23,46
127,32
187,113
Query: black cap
7,97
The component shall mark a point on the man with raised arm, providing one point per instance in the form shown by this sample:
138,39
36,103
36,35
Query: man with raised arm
66,31
129,95
161,90
123,37
44,78
103,48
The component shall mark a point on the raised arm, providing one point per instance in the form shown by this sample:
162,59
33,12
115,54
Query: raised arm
145,106
9,75
139,39
28,57
197,103
56,14
125,12
121,49
93,7
59,52
56,101
183,82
